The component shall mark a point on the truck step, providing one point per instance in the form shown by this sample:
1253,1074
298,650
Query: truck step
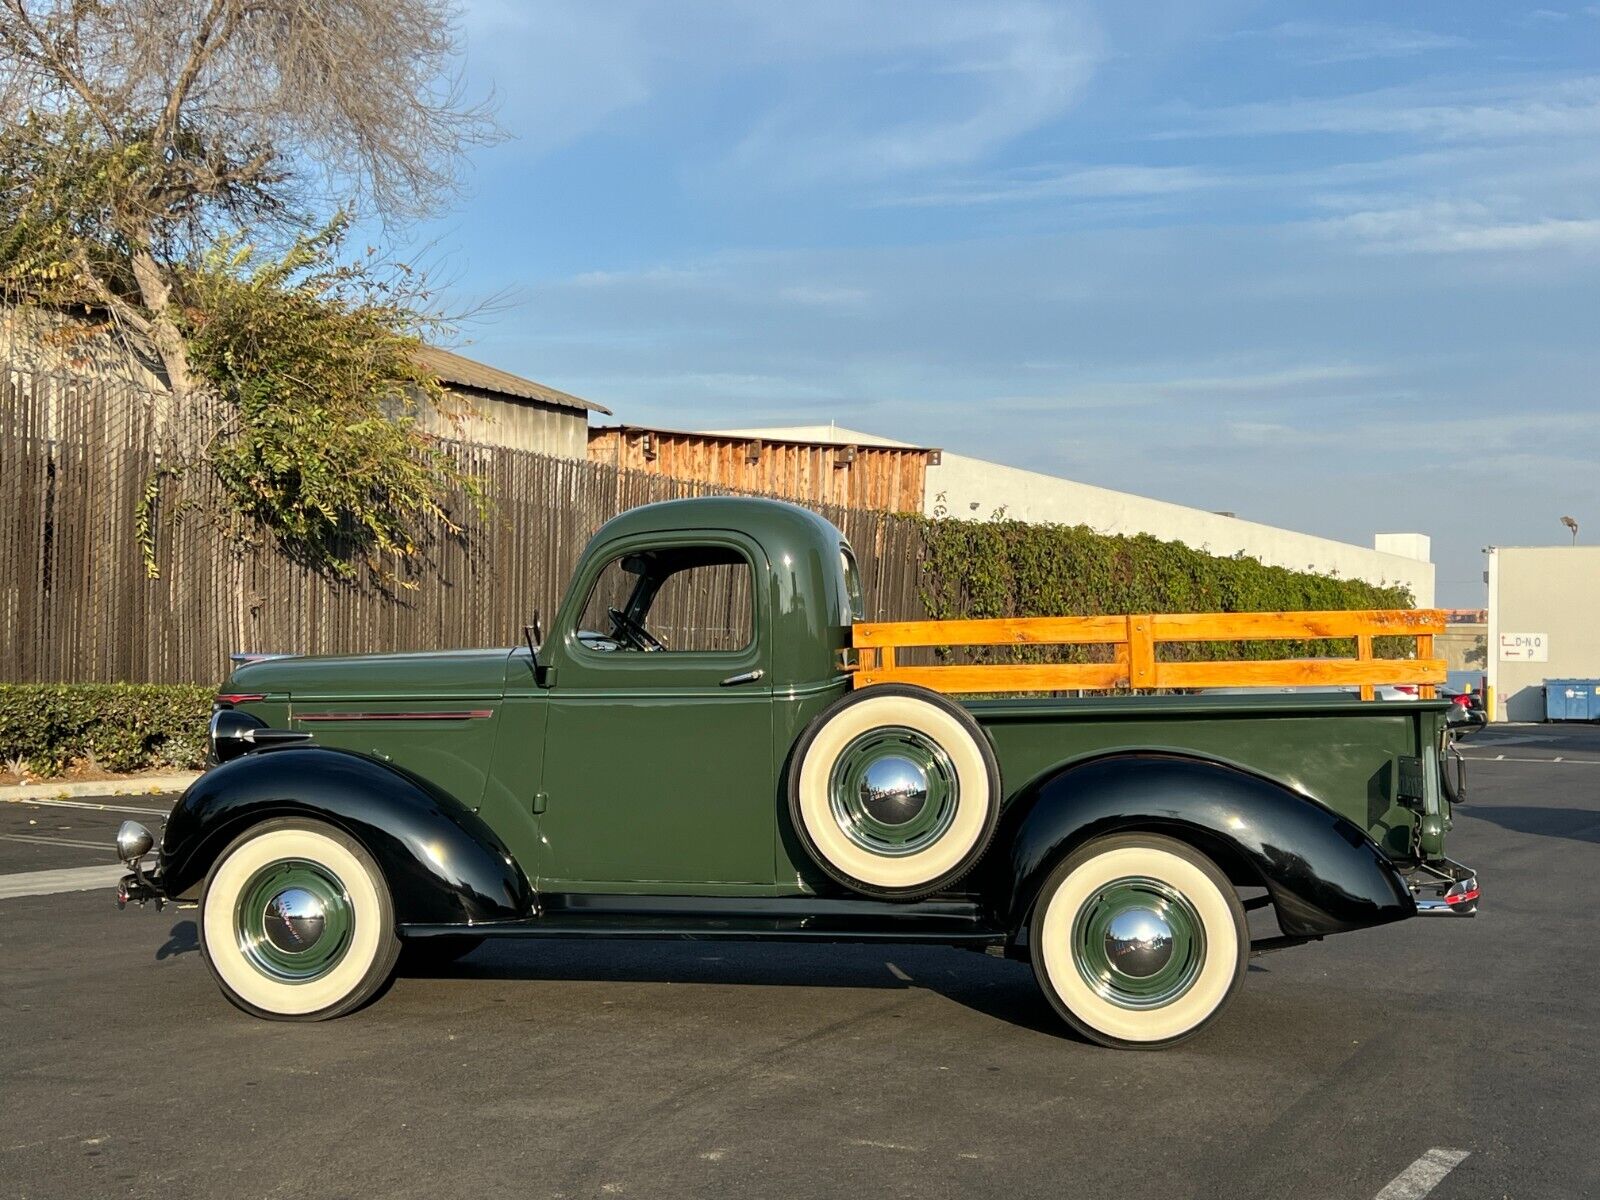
956,923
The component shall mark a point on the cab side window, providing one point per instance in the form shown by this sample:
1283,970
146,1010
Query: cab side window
678,599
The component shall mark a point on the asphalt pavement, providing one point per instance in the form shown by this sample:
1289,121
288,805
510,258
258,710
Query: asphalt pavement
1451,1054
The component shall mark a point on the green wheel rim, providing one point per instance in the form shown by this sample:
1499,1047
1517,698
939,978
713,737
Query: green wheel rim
1136,899
892,744
275,950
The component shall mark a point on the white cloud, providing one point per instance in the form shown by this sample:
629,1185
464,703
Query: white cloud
1448,228
959,81
1325,42
1110,181
830,89
1561,108
825,296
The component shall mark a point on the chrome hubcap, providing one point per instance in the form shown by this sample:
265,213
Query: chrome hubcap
1138,942
294,920
894,790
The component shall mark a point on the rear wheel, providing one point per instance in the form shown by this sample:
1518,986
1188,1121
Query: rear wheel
296,922
1138,941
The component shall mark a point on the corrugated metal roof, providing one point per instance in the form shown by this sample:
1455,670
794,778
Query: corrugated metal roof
781,437
464,372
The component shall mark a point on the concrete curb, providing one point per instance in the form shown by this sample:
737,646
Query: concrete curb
140,785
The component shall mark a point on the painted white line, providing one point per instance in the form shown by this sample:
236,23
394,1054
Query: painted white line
1422,1176
1565,762
55,841
48,883
153,812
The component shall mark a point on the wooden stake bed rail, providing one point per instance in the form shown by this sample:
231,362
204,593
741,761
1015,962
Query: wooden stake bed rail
1134,661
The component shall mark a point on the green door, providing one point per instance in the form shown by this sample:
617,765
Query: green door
658,765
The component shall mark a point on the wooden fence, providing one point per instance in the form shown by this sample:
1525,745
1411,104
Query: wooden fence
76,603
1136,644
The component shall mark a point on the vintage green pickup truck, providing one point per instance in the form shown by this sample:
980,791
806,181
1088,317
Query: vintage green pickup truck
684,756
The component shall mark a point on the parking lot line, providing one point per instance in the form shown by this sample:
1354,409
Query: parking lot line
89,804
1422,1176
54,841
48,883
1566,762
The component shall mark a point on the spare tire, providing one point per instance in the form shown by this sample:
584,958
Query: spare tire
895,791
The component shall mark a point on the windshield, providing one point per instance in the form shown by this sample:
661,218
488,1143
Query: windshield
852,584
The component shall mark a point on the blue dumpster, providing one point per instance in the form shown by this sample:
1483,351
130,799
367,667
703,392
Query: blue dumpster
1572,699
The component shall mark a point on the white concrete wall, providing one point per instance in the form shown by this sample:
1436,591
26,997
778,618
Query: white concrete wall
975,488
1553,590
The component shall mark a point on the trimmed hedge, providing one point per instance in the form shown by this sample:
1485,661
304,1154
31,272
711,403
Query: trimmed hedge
113,726
1004,568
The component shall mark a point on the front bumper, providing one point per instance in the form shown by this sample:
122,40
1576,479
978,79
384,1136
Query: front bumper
141,889
1444,889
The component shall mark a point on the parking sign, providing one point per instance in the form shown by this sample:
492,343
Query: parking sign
1524,647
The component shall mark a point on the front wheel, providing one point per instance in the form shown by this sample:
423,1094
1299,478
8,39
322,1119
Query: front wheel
296,922
1138,941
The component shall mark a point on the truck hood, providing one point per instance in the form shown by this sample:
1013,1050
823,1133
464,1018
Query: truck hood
478,673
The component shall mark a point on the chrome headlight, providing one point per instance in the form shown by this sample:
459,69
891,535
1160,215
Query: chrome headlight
232,733
133,842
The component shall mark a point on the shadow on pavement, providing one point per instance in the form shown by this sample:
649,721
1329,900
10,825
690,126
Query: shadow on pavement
996,988
184,938
1576,824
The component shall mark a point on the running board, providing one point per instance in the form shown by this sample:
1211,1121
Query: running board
698,918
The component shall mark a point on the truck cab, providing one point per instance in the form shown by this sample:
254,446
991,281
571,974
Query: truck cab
693,645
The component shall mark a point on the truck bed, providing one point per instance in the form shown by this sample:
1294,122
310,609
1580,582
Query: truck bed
1345,753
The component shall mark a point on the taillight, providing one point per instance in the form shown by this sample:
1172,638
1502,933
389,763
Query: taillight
1408,689
1463,700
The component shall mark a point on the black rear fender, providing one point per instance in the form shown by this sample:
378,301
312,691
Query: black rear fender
1322,872
442,862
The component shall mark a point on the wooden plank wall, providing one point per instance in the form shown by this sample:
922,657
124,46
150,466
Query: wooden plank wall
76,604
886,478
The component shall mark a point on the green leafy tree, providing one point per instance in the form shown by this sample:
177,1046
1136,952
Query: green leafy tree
312,351
147,143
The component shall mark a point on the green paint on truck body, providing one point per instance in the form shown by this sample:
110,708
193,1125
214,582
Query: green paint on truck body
652,773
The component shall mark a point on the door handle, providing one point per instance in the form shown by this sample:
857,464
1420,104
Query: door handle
744,677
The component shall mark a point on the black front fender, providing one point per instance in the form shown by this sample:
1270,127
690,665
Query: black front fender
1323,873
443,863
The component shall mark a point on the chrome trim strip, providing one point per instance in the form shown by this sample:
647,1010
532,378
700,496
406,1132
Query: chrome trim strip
474,714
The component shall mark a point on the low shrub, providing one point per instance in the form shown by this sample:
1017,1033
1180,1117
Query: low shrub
114,726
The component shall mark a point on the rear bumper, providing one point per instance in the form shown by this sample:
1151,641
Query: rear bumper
1445,889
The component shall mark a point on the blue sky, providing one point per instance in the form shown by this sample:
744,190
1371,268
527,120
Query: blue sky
1334,267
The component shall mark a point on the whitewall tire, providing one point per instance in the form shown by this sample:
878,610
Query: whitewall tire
1138,941
296,922
895,791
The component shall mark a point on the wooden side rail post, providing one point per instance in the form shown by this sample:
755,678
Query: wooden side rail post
1135,661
